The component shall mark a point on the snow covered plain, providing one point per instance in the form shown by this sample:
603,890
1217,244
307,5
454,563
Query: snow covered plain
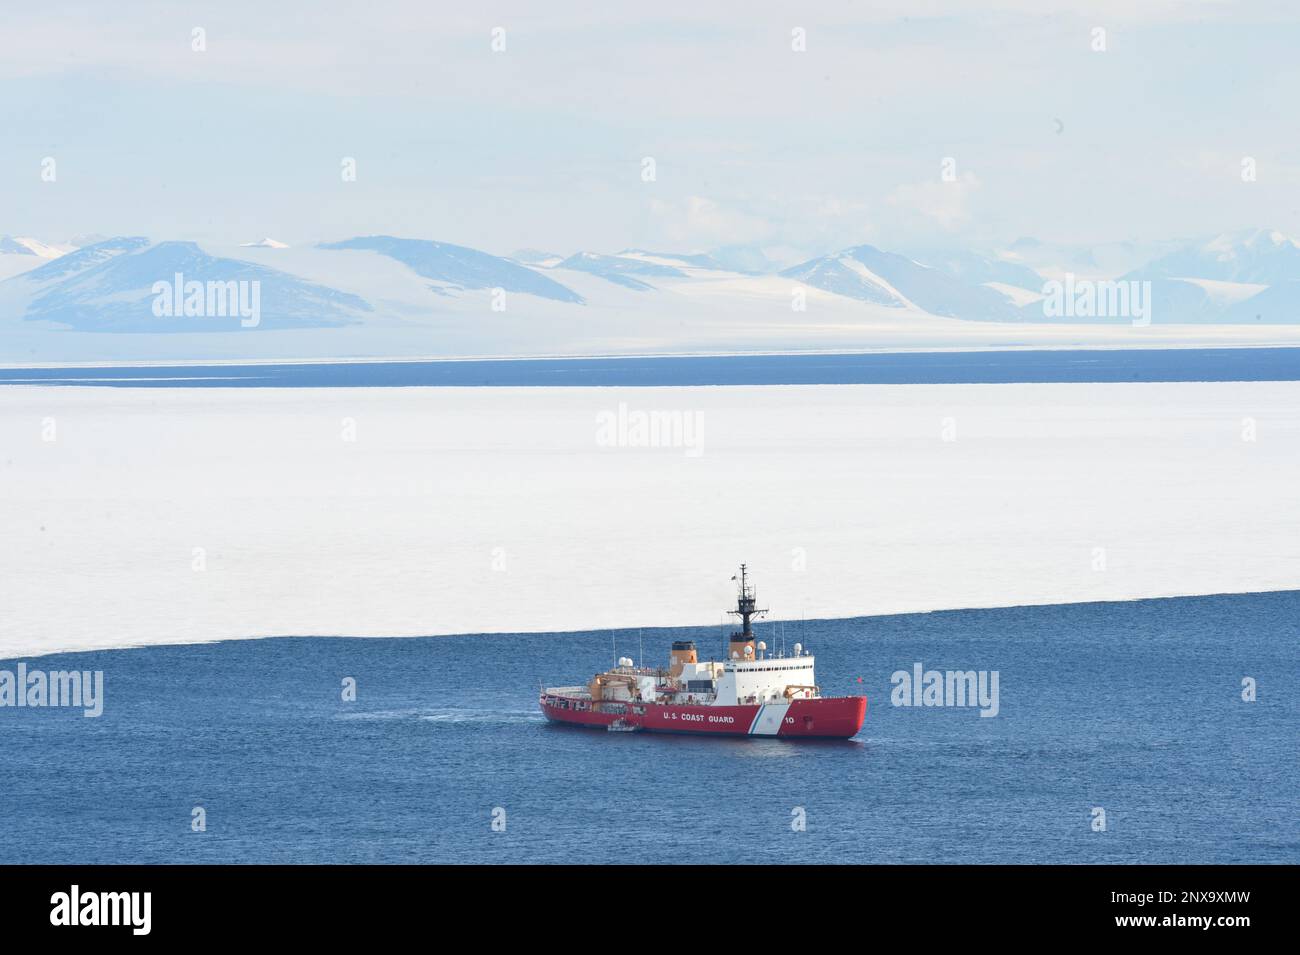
179,515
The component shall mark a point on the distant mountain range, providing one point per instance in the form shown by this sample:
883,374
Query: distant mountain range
457,268
21,245
109,285
864,272
1240,277
1258,257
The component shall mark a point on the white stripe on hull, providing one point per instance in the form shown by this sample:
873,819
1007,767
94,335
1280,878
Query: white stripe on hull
768,719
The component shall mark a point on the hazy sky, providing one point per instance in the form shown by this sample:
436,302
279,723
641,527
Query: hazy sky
754,142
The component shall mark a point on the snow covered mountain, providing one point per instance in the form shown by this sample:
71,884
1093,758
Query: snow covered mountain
976,269
388,296
635,269
688,260
1241,277
456,267
537,257
113,286
620,269
1053,260
845,274
1257,257
22,253
23,245
886,278
83,259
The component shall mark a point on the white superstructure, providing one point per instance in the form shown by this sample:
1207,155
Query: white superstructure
772,680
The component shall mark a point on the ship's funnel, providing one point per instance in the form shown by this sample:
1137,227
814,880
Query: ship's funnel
683,653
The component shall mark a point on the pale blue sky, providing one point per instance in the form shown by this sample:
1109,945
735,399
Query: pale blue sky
540,145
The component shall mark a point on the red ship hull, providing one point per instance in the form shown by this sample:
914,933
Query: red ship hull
821,718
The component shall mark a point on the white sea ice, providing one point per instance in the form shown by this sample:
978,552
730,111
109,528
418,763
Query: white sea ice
178,515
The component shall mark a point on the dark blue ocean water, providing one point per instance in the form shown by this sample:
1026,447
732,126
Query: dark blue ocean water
1100,365
1133,707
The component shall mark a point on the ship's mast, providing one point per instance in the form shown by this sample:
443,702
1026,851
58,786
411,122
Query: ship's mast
746,608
